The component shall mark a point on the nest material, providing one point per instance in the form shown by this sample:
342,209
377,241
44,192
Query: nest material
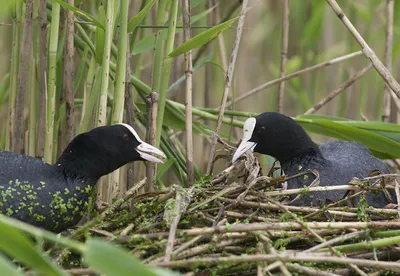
236,223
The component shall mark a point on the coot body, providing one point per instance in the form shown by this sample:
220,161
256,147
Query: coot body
337,162
55,197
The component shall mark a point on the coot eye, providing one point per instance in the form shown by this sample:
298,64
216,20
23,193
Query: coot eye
125,137
262,129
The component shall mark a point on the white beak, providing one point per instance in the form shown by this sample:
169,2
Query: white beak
246,145
145,150
243,147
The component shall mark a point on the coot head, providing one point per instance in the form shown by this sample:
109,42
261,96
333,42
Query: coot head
105,149
276,135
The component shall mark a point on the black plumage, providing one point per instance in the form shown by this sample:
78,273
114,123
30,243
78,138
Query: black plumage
55,197
337,162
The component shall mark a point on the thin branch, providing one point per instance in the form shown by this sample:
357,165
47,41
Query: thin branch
228,82
293,75
338,90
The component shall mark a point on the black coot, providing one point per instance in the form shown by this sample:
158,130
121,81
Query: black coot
337,162
55,197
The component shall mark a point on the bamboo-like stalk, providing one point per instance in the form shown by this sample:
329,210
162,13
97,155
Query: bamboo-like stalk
114,187
14,76
228,84
51,83
284,49
42,69
23,77
166,68
367,51
68,78
388,58
105,65
189,90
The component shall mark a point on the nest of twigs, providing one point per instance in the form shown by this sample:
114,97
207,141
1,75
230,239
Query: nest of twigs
239,224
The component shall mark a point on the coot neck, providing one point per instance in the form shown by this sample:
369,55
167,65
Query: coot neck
87,165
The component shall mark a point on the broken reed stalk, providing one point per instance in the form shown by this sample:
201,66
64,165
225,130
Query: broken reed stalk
68,78
284,49
152,107
260,250
293,75
174,226
367,51
338,90
182,201
271,250
189,91
228,84
23,77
